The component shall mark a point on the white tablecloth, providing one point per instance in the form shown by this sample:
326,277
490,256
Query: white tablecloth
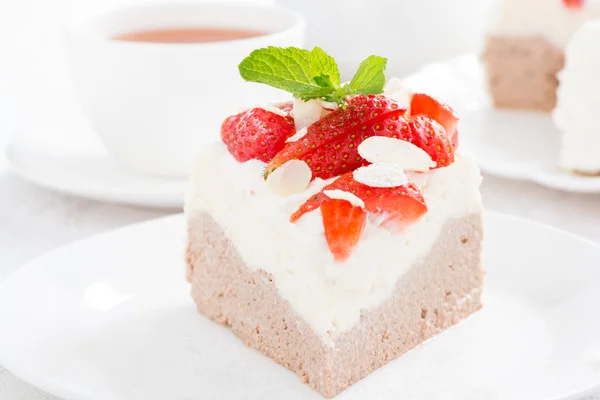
33,221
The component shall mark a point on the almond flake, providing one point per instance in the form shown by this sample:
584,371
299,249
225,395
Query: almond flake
381,175
407,156
306,113
329,105
396,89
292,177
299,135
343,195
274,110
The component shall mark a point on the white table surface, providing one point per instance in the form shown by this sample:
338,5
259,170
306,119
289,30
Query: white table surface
34,221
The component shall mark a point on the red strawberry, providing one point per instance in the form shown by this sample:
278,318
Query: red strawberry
330,145
437,110
430,136
343,225
257,133
402,204
573,4
341,156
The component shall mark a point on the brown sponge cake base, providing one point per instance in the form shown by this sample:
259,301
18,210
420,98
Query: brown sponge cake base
522,72
437,292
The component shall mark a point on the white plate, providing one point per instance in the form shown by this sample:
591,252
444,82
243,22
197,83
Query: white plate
111,318
511,144
75,163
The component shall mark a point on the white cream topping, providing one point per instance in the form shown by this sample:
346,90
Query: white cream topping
578,101
549,18
381,175
328,295
381,149
343,195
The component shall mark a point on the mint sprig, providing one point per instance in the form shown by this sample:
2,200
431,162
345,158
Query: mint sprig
311,74
370,77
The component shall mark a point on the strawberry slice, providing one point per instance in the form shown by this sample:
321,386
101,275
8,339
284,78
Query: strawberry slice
430,136
573,4
402,204
437,110
341,156
330,145
343,225
257,133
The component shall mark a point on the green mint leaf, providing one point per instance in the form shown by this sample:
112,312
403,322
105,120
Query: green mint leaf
370,77
322,64
322,92
284,68
324,81
305,74
311,74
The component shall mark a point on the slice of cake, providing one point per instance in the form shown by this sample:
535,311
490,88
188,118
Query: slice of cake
525,49
579,101
336,232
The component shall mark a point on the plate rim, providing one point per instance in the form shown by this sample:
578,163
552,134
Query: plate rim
63,392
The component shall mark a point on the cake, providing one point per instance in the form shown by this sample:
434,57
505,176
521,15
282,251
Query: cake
338,231
578,102
526,49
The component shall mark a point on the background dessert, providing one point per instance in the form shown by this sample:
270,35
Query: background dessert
578,102
525,49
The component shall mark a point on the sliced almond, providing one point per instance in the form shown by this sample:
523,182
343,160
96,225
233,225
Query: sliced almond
297,136
329,105
292,177
343,195
274,110
306,113
381,175
396,89
380,149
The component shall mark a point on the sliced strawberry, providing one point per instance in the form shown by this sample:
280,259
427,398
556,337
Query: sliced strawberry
573,4
341,156
430,136
402,204
257,133
286,106
330,145
437,110
343,225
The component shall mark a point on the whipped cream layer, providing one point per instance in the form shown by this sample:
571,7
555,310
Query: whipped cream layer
328,295
549,18
578,101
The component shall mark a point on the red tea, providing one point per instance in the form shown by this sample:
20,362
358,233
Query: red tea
188,35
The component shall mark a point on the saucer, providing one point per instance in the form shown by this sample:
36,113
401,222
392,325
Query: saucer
511,144
76,163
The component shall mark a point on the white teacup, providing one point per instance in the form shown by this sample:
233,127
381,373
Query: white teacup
153,104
